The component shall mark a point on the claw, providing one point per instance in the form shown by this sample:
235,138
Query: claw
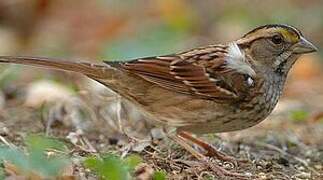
221,172
217,169
211,151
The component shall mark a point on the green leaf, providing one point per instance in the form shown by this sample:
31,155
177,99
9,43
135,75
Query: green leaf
8,74
47,166
92,163
14,156
41,143
299,115
36,160
2,175
132,161
159,175
110,167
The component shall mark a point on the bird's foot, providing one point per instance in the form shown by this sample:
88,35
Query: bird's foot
217,169
222,172
211,151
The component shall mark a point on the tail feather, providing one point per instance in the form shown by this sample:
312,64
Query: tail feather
89,69
107,75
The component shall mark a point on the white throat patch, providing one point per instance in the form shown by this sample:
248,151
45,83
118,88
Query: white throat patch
236,60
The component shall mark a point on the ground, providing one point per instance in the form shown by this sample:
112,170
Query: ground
287,145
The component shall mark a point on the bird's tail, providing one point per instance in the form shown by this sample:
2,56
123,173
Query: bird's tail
112,77
86,68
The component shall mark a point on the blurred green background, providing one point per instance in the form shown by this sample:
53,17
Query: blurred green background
114,29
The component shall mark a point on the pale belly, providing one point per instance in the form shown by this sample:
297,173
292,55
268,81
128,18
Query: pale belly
170,109
201,116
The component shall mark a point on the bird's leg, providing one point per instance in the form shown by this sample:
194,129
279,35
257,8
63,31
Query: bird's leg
218,170
211,151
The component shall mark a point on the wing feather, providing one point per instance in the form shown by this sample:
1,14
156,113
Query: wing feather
199,72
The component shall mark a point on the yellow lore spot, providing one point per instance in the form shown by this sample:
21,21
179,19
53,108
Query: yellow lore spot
289,35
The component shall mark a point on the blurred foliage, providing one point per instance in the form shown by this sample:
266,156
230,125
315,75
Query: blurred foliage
157,41
2,175
299,115
111,167
35,160
128,29
159,175
121,30
8,74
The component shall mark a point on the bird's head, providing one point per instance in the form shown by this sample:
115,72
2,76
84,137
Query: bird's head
275,46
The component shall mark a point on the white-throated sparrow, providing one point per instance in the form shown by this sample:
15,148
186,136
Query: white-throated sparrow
216,88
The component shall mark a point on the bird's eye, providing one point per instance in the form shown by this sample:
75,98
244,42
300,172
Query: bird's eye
277,39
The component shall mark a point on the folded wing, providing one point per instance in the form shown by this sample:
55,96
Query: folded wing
200,72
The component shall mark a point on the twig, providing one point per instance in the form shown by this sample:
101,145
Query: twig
7,143
89,145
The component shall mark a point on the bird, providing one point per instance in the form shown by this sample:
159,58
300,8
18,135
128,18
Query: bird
210,89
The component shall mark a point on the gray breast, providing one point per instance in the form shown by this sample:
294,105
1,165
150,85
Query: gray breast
254,111
263,104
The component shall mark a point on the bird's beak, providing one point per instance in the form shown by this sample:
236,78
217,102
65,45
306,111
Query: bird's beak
304,47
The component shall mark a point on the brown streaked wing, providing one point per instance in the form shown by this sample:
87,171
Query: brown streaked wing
184,73
156,70
200,81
